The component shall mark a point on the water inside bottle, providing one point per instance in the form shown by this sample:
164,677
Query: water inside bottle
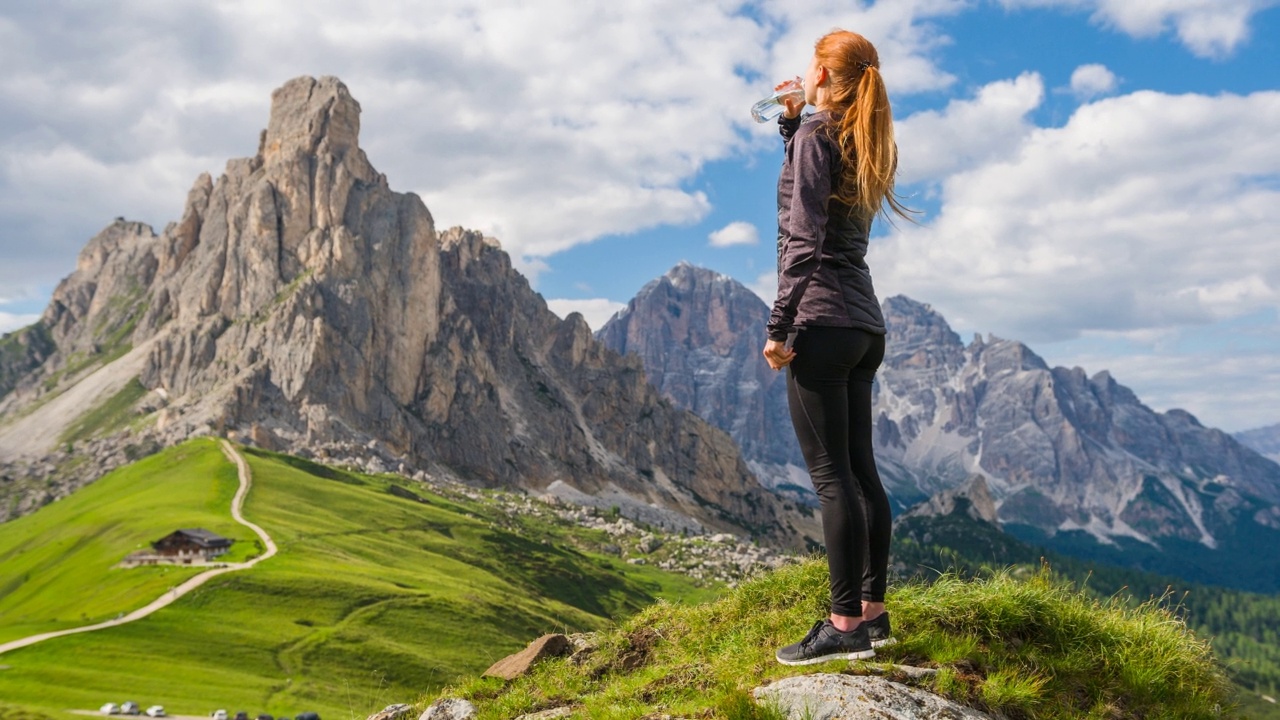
774,105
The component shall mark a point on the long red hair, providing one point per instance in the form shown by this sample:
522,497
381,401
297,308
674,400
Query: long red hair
862,122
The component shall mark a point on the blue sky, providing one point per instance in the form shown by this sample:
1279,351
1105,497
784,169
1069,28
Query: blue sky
1100,178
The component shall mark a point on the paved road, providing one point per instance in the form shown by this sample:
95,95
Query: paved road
246,481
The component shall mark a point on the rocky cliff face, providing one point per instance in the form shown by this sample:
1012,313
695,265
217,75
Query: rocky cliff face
1061,451
697,334
1065,451
302,304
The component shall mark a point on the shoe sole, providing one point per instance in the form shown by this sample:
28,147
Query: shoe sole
860,655
884,643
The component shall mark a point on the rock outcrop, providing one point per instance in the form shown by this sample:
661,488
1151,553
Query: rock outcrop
303,305
972,499
518,664
827,696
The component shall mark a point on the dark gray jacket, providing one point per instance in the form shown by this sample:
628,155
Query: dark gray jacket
823,277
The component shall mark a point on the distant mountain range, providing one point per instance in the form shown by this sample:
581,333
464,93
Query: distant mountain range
1070,460
1266,440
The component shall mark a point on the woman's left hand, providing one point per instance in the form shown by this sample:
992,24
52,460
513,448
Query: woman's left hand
777,354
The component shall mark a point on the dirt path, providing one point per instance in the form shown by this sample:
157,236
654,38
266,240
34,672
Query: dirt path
246,481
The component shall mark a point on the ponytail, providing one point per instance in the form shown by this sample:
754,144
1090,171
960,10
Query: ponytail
864,129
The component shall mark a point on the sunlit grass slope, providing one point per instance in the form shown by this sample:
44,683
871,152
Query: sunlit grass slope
56,565
1023,648
374,598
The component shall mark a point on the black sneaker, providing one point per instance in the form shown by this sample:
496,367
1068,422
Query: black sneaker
878,630
824,642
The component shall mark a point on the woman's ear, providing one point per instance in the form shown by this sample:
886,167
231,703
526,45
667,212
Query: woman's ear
822,75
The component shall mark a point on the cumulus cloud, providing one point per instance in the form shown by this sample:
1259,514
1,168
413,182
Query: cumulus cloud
735,233
546,125
596,311
968,132
765,287
1144,211
1090,81
1209,28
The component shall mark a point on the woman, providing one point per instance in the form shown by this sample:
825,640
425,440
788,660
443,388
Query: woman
827,328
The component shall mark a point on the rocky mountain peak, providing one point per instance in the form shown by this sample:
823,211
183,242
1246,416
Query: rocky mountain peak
698,334
303,305
311,117
921,336
686,276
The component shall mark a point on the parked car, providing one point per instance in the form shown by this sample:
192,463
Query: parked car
306,716
242,715
110,709
130,708
218,715
264,716
155,711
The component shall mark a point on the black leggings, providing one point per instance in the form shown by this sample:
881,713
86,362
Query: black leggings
829,392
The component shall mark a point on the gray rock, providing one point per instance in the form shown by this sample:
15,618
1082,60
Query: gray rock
559,712
972,498
392,712
449,709
845,697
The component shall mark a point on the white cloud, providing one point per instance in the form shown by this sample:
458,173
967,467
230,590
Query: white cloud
735,233
934,144
1144,211
903,37
596,311
9,321
1090,81
1209,28
546,125
765,287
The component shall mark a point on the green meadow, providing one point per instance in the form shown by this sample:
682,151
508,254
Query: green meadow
382,590
56,565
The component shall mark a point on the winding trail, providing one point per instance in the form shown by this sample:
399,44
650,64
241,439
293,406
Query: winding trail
246,481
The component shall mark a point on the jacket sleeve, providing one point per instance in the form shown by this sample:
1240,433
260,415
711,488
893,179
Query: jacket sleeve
787,126
801,253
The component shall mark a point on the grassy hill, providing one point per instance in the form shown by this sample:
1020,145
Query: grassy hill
1028,647
385,589
380,591
58,562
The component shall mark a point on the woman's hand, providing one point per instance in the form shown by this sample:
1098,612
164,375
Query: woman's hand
776,353
794,105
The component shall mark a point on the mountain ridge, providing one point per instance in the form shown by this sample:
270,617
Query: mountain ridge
1063,453
300,304
1265,440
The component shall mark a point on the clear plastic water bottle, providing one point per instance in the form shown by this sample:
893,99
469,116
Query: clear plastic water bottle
773,106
